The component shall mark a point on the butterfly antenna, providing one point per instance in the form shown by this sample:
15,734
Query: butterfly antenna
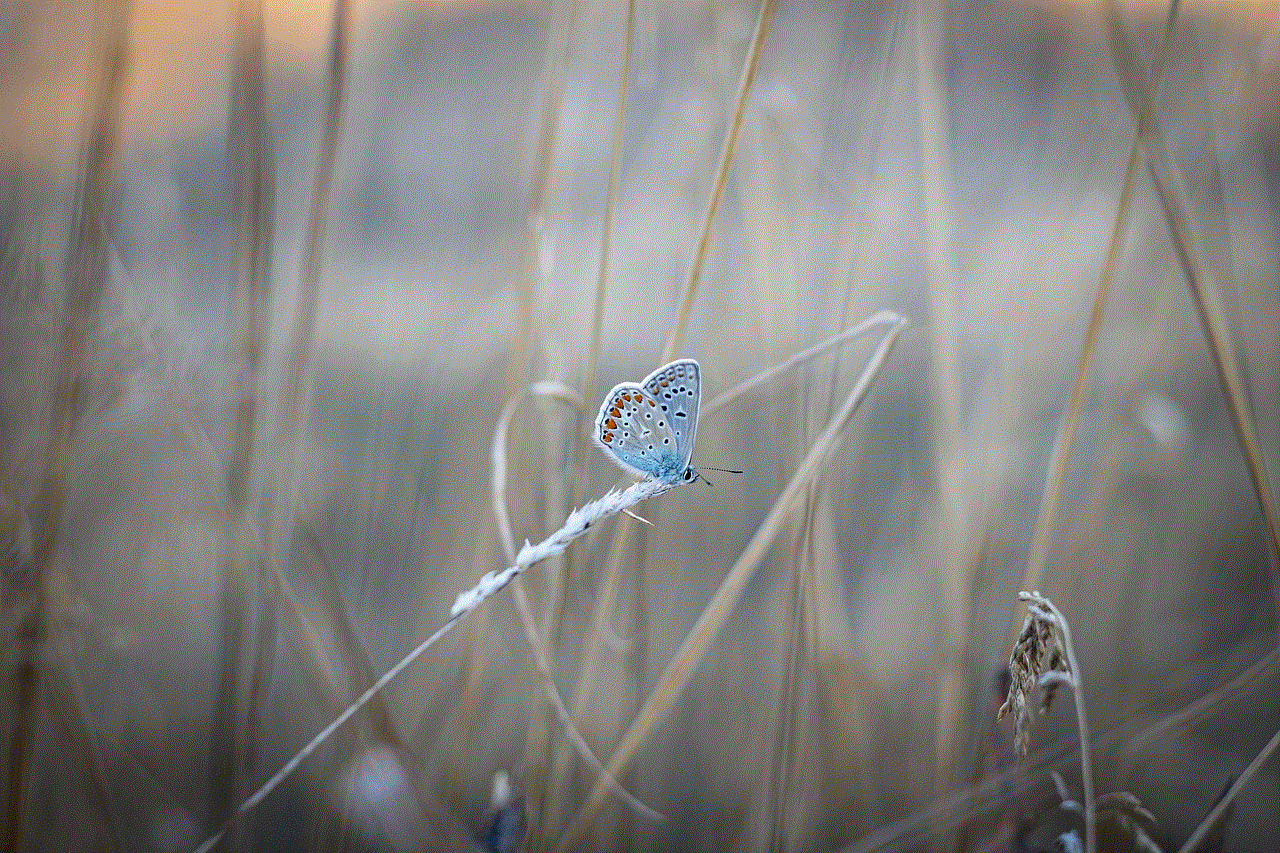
726,470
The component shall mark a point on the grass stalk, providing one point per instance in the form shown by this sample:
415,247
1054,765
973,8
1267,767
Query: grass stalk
578,522
749,67
1033,577
1076,682
1170,189
557,779
952,542
555,65
606,228
563,394
231,744
296,394
84,278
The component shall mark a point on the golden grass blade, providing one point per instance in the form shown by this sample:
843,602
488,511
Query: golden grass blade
558,43
722,603
557,778
610,212
722,177
296,394
1033,577
1171,190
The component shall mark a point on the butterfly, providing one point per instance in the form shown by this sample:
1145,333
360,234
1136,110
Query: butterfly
648,428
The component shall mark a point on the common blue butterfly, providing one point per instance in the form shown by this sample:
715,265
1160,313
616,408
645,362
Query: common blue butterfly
648,428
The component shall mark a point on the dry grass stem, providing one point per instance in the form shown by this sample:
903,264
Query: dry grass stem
1044,659
555,391
276,291
1033,578
86,271
578,522
553,696
749,67
881,319
296,393
1170,187
610,211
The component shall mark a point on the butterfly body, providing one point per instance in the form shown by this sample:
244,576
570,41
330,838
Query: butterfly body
648,428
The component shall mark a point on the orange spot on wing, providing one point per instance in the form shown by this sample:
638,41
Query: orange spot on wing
611,423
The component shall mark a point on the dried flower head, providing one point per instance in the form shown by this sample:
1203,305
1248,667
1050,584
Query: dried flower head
1039,660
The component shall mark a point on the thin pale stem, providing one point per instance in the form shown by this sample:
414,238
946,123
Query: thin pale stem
1086,760
722,176
1056,476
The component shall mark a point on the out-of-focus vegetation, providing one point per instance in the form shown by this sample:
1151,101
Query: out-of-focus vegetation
268,285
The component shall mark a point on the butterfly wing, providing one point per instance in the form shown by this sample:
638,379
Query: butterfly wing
648,428
633,429
678,389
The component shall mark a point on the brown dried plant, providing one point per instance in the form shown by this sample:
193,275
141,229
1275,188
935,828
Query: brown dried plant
1038,659
1044,658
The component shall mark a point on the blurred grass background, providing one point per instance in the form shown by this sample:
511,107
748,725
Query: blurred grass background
268,283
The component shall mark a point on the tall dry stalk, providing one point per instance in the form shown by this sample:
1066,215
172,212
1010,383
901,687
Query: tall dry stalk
84,280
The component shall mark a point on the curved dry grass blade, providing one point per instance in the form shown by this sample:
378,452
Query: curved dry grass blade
577,523
553,696
1170,188
498,452
717,611
882,318
722,177
564,394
